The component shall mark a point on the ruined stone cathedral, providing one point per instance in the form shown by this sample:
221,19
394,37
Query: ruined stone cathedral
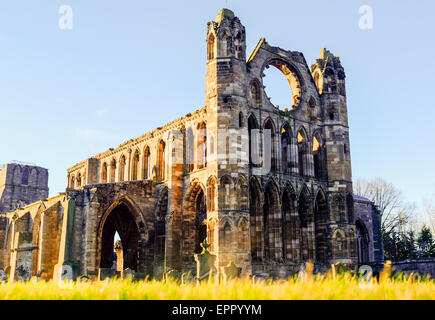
268,188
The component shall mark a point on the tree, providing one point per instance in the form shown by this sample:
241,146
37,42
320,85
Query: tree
395,212
397,217
429,208
426,243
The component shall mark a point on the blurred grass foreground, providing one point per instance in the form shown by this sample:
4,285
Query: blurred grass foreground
305,286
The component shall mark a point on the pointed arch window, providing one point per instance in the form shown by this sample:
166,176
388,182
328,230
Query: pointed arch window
240,120
202,146
161,160
135,166
302,152
238,44
146,163
79,179
190,150
227,235
340,244
254,156
318,157
338,208
104,173
311,109
272,148
225,189
72,183
255,94
285,148
225,45
122,168
272,217
211,193
256,221
210,47
25,177
243,234
112,171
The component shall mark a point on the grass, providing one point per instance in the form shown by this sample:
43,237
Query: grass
344,286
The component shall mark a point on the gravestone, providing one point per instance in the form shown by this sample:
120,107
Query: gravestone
231,271
104,273
205,262
3,275
127,274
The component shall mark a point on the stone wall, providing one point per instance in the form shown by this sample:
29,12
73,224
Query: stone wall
421,266
368,224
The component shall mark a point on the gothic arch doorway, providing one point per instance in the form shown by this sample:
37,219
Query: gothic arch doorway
201,218
194,220
120,219
362,242
321,215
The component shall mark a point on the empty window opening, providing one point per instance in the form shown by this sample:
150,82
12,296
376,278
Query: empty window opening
104,173
281,85
147,163
25,178
302,152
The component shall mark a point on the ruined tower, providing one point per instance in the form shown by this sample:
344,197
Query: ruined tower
329,77
226,108
21,184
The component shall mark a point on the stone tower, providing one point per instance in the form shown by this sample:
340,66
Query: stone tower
329,77
22,184
226,101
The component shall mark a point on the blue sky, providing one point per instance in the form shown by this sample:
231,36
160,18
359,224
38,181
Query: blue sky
128,67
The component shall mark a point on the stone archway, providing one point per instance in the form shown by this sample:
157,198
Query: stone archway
194,227
121,218
256,220
321,217
306,220
362,242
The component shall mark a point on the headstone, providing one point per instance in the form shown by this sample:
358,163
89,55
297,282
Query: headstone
66,272
127,274
231,271
3,275
205,262
84,278
104,273
119,256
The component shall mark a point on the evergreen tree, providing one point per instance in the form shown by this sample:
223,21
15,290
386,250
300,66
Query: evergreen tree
426,243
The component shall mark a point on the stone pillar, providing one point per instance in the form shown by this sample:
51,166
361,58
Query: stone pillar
67,266
21,258
128,166
91,247
119,256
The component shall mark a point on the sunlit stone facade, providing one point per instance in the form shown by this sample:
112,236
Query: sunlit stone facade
269,188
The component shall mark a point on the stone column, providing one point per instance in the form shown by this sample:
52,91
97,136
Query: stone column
128,166
67,266
119,256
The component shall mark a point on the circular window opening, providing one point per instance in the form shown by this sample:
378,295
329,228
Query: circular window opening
281,85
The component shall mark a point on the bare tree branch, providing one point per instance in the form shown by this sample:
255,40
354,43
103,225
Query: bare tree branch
389,200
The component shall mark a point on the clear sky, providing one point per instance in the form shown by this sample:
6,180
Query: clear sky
127,67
